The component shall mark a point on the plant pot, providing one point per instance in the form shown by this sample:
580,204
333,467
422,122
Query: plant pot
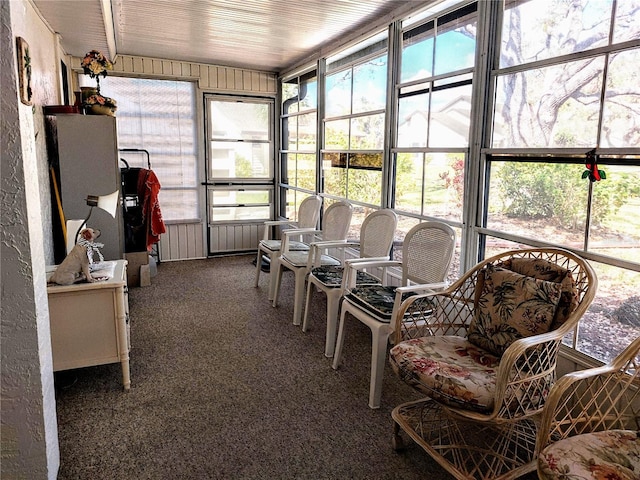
87,92
101,110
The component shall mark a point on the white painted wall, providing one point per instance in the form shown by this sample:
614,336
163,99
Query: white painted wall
29,425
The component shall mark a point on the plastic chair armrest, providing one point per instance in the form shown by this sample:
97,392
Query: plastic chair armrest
287,234
423,287
274,223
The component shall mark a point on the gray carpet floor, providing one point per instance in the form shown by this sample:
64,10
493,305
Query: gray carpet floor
225,387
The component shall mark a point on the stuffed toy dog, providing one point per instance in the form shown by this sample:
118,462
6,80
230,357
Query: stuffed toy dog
75,267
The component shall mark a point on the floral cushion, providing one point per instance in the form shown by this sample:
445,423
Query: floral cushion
552,272
276,245
448,369
376,299
607,455
331,276
510,306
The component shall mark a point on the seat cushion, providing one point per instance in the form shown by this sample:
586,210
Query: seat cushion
276,245
300,258
448,369
606,455
376,299
510,306
331,276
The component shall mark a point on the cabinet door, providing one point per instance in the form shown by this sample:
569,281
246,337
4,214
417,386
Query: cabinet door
83,328
89,165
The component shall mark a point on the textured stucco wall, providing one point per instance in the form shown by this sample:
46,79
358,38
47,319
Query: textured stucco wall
29,436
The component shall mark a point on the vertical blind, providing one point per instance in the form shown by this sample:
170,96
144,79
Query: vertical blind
160,116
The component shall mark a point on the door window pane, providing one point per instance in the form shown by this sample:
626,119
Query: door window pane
240,160
240,121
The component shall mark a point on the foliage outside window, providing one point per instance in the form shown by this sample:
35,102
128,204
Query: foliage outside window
354,122
434,114
565,81
160,116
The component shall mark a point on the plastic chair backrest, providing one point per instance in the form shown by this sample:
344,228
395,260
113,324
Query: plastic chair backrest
336,221
377,233
427,252
309,212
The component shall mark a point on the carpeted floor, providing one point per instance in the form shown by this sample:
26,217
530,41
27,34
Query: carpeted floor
225,387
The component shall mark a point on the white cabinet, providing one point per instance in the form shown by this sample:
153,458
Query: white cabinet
90,165
90,323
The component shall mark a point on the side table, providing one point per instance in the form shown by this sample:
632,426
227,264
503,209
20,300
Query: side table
90,323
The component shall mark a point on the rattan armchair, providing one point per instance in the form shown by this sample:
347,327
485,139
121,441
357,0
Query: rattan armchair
591,422
479,419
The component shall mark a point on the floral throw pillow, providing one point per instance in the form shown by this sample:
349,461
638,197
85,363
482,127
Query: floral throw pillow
546,270
511,306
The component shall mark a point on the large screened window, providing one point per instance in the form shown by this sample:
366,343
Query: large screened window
568,96
354,122
434,114
160,116
298,128
496,112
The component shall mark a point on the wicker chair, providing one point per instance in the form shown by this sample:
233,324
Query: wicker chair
427,252
307,218
590,424
484,352
335,226
376,239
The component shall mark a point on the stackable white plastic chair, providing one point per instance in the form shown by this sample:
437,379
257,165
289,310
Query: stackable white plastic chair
376,238
335,226
427,252
308,216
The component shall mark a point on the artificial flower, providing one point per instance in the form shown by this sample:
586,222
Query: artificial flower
95,63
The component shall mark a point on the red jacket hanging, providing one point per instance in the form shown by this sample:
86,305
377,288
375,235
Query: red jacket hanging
148,189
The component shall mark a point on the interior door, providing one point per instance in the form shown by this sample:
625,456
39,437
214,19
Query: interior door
240,171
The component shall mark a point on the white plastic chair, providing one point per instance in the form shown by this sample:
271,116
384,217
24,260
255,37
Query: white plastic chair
335,226
427,252
376,238
308,215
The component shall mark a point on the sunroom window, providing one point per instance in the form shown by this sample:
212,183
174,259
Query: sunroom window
298,127
354,122
566,97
